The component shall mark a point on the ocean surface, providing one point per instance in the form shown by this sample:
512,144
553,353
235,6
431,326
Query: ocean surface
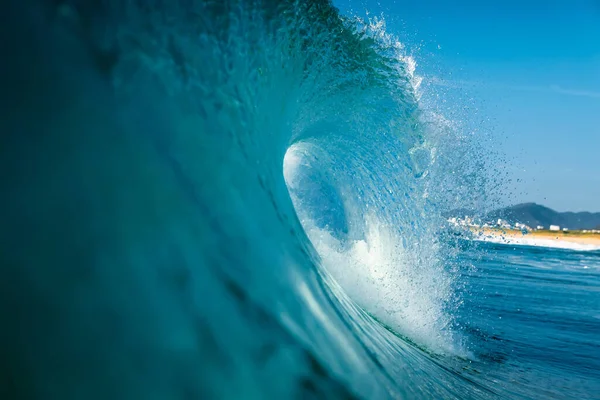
244,200
532,317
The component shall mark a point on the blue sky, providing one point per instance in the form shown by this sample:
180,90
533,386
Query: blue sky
529,73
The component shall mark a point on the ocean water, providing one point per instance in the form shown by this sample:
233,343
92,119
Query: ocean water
532,316
244,200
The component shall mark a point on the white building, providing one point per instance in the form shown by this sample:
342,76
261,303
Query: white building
554,228
521,226
565,229
539,228
503,224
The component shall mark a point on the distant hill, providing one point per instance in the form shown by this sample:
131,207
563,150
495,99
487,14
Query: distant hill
533,214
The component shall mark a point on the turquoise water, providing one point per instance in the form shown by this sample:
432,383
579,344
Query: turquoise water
244,200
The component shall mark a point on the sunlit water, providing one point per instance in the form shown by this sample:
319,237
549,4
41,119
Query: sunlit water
244,199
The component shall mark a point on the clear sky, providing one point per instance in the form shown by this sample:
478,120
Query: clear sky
529,73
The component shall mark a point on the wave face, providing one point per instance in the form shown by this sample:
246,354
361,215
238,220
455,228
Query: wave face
201,196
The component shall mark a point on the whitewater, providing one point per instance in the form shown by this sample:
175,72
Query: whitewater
244,200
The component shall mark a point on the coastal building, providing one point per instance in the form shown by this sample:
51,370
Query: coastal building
539,228
522,227
565,229
554,228
503,224
467,221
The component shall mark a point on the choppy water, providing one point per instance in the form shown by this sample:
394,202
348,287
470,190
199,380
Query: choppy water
532,315
243,199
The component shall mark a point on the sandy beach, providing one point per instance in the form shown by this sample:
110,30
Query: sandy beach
569,240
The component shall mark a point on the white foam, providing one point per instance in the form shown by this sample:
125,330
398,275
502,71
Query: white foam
401,288
537,242
397,278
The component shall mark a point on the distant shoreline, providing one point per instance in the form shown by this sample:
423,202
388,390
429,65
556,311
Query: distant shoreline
545,238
